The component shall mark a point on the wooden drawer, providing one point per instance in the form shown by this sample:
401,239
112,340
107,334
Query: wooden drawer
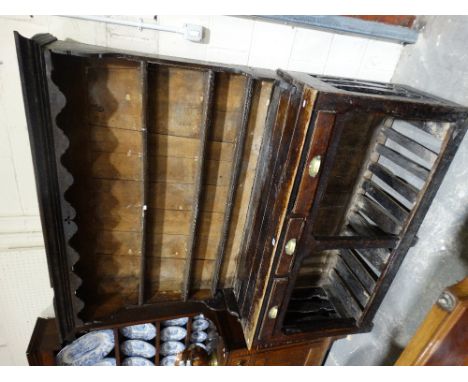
322,131
291,240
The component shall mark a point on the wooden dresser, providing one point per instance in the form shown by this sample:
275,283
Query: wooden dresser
286,201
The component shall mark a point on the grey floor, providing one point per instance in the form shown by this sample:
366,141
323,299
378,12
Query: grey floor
438,64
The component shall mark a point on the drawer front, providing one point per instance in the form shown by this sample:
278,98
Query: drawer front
272,313
315,157
291,240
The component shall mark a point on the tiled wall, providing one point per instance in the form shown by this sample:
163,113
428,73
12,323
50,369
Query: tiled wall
24,288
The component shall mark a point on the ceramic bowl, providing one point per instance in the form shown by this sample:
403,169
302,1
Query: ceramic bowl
168,360
200,345
212,334
137,348
198,336
88,349
173,333
137,361
198,325
139,332
176,322
211,346
109,361
172,347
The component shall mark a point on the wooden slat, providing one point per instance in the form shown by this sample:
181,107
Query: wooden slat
433,128
118,360
206,123
385,200
405,189
336,242
346,300
411,145
403,162
352,283
377,258
359,225
189,332
378,215
145,181
236,167
359,269
157,343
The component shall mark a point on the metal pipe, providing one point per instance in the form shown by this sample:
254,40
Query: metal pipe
189,31
348,25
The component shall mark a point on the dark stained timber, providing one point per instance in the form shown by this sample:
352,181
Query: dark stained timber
359,269
399,212
233,184
403,162
353,283
411,145
379,216
405,189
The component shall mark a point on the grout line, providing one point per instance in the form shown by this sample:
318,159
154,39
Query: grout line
328,53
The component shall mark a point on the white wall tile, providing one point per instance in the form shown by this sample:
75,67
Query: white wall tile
271,45
345,57
131,38
172,44
227,56
87,32
9,197
379,60
230,39
310,51
24,294
24,170
375,75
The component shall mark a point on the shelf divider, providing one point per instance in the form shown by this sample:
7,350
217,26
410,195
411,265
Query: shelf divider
144,181
208,99
235,173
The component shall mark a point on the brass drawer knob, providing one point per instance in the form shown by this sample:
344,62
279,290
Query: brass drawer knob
290,247
273,312
314,166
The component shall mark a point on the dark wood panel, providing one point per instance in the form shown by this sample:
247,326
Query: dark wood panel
318,147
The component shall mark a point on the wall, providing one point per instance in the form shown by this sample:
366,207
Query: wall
436,64
24,288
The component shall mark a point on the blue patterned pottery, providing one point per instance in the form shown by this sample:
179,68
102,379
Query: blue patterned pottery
198,336
139,332
176,322
172,347
110,361
137,361
87,350
137,348
198,325
201,345
168,361
173,333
